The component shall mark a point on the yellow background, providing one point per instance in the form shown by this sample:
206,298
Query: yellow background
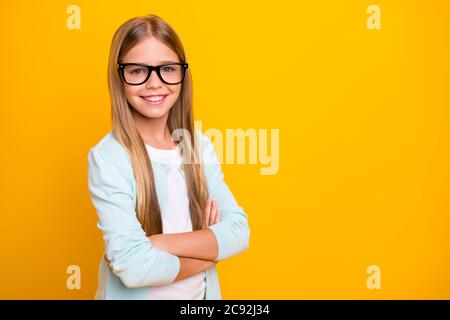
364,141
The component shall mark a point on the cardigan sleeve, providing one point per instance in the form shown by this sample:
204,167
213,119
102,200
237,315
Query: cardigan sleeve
132,256
232,231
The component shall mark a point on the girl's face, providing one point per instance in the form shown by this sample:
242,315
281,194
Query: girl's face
151,52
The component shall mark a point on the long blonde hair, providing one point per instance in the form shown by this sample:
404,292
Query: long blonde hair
180,116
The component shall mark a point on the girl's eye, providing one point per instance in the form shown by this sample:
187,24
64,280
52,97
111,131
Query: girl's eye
168,69
136,71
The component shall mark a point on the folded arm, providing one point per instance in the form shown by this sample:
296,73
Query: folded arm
131,255
218,241
199,244
190,267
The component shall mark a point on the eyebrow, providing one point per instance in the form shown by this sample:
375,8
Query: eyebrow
168,61
160,62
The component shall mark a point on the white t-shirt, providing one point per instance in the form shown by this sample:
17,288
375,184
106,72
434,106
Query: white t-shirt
177,219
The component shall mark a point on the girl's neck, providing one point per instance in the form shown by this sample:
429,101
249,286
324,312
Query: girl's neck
154,131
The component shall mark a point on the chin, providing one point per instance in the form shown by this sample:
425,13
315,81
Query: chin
154,113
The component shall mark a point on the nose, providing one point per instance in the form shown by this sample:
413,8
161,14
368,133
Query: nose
153,80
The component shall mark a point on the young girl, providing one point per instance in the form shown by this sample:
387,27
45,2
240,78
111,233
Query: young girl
166,214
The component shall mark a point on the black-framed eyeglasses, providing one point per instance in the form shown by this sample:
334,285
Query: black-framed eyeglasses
136,73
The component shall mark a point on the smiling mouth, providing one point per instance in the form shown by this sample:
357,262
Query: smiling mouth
155,99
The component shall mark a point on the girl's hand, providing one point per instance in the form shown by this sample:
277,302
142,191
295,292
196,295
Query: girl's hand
157,241
212,214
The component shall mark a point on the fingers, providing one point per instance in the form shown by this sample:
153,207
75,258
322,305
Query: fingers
212,215
208,209
109,262
217,217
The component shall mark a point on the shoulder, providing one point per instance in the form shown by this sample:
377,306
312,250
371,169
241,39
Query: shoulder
206,148
208,152
202,138
109,146
110,150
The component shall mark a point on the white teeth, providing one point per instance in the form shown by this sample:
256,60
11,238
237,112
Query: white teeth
154,98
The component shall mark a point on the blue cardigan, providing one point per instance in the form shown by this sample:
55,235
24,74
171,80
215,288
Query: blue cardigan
135,264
